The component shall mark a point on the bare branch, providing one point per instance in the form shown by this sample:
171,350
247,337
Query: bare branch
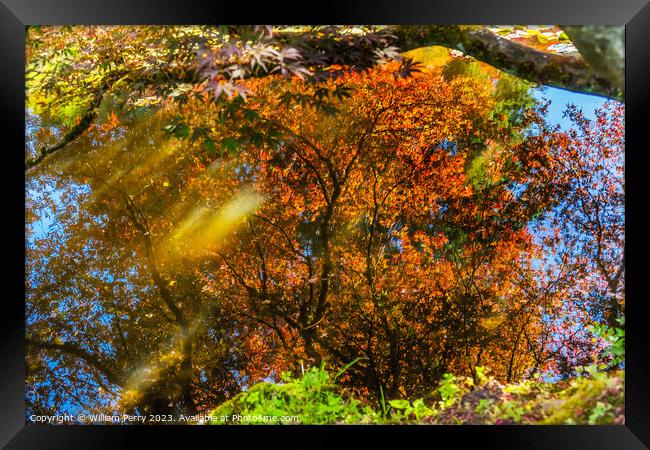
74,349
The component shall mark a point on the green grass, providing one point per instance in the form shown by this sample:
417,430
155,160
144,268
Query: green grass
315,398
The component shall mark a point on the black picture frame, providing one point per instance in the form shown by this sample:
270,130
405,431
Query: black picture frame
633,14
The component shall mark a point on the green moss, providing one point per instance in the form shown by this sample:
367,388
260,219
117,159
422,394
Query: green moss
434,56
595,401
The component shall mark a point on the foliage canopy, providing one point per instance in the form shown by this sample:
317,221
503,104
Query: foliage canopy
417,220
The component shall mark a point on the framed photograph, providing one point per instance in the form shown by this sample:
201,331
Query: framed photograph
339,224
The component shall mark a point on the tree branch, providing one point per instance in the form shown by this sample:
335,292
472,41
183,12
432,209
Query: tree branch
603,47
597,71
564,71
173,75
74,349
141,224
85,122
139,220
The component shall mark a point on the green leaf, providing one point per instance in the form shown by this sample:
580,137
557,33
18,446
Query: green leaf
210,146
197,133
230,145
346,367
182,131
399,404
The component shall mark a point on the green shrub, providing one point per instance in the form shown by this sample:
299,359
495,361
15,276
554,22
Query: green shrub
595,398
310,399
615,351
